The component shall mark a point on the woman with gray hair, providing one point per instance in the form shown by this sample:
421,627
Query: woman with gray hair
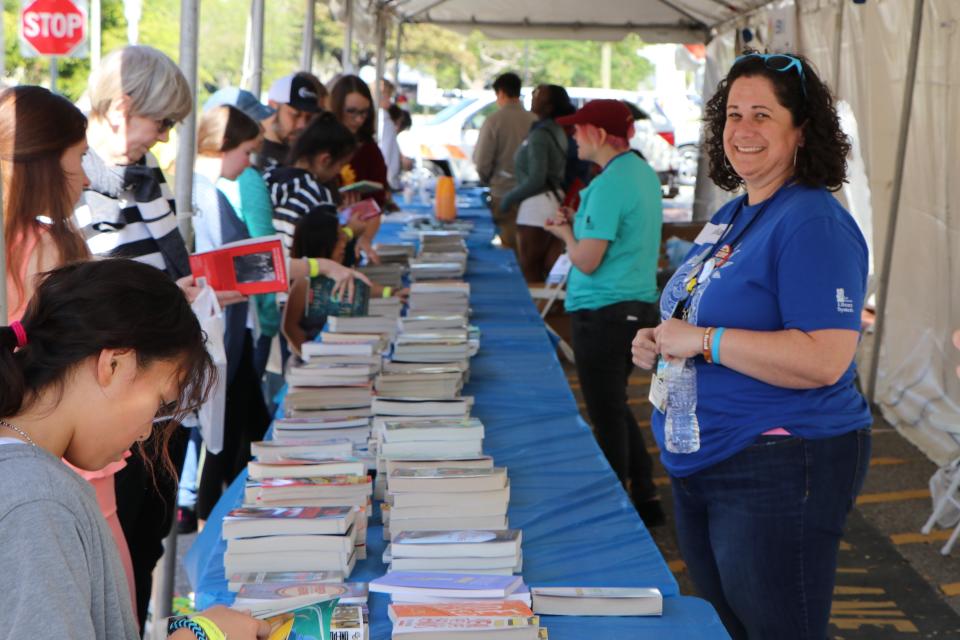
136,96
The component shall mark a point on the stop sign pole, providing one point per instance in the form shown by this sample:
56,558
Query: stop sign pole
54,28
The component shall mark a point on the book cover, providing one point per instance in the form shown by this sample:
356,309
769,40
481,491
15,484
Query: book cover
311,622
473,583
321,303
455,537
286,590
249,266
362,186
290,513
237,580
364,210
467,609
347,623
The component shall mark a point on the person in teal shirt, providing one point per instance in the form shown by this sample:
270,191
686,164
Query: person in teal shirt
613,242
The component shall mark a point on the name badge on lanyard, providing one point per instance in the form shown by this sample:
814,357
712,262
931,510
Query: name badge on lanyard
711,233
658,387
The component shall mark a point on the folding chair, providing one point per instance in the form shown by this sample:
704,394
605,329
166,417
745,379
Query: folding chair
553,290
947,499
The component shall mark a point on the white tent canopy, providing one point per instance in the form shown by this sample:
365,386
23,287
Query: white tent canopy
681,21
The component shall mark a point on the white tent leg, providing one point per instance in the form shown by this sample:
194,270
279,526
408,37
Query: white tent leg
255,55
884,276
347,57
381,62
396,55
306,57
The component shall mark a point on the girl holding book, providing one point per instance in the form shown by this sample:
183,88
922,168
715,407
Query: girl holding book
85,379
226,137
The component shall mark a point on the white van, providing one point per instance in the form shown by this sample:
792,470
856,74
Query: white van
452,134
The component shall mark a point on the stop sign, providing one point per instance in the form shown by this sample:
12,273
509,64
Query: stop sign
53,27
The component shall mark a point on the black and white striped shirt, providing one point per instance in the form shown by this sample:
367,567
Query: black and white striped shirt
295,193
129,212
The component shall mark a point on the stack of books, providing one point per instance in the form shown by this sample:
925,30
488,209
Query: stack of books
497,620
429,586
438,345
291,539
440,438
426,380
388,274
464,551
356,429
350,618
445,499
444,297
330,491
395,253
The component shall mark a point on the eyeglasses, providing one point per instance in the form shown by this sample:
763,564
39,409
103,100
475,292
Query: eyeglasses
165,124
778,62
354,113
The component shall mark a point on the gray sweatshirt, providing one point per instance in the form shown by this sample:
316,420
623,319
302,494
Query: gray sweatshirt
59,562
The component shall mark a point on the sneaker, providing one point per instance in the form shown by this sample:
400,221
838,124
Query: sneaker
186,520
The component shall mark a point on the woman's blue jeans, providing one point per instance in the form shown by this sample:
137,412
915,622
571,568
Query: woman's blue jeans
760,531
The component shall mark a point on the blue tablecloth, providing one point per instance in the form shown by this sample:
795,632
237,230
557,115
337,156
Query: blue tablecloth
579,527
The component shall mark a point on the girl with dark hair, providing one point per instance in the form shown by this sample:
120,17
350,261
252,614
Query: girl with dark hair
352,104
766,313
106,351
540,167
316,158
42,143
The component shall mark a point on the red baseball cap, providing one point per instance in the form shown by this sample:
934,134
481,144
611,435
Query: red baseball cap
610,115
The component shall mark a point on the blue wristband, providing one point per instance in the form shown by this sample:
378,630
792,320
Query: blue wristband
715,344
187,623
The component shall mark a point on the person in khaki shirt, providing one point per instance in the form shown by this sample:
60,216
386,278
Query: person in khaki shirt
500,136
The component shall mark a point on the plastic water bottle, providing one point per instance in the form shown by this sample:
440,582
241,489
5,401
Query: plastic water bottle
681,429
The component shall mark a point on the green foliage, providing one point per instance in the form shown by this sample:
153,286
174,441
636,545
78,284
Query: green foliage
456,61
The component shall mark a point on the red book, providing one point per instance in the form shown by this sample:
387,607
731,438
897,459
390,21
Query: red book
365,209
248,266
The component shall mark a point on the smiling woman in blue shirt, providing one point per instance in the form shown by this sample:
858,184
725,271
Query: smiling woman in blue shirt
767,305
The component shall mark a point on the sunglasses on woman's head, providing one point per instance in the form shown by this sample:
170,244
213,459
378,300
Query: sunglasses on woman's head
165,124
778,62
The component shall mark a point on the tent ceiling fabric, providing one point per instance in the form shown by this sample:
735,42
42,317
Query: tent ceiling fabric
685,21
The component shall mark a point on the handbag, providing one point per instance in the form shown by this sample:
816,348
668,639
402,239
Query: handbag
212,411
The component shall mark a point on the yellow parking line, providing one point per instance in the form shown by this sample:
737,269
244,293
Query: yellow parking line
661,482
842,570
677,566
840,590
882,461
951,589
915,538
847,607
893,496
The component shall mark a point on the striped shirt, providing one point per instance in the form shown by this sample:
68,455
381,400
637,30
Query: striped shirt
129,212
295,193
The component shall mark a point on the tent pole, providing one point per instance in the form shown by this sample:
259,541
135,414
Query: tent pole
189,22
347,58
96,31
256,47
905,113
837,48
306,59
396,55
381,61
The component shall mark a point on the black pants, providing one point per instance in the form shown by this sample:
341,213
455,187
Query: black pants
146,505
245,420
601,344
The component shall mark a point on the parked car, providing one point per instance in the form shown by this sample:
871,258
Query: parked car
451,135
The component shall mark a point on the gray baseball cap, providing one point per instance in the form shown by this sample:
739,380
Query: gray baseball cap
241,99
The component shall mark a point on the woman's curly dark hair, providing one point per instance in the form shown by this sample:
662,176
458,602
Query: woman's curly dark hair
821,161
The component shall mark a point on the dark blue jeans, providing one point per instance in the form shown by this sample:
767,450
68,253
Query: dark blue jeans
760,531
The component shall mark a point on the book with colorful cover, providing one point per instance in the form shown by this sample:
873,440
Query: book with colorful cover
250,266
270,599
321,303
466,609
445,584
362,186
364,210
347,623
465,543
311,622
266,521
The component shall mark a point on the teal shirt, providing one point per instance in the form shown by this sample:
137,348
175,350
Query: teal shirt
250,199
622,205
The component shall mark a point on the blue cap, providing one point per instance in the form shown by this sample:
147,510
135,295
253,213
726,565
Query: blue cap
241,99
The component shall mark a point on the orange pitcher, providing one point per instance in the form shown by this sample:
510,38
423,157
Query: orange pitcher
445,204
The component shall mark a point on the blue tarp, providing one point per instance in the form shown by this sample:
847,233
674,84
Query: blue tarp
579,528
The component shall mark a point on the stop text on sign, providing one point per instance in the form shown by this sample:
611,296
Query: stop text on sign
52,25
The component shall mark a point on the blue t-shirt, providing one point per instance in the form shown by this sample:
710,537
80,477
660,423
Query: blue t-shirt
802,264
623,205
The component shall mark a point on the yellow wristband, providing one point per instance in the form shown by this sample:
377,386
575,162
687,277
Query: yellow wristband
314,265
387,292
347,231
212,630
